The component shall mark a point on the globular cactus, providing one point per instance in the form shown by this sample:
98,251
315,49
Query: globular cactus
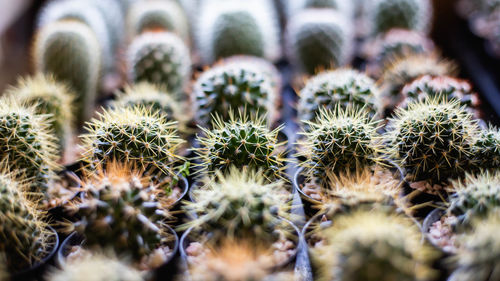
319,39
384,15
479,251
112,14
48,96
432,140
160,58
133,134
119,210
96,267
69,50
241,142
227,28
338,88
27,144
340,141
487,149
24,238
444,86
158,15
234,85
373,245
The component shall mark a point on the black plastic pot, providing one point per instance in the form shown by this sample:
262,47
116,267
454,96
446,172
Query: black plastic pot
37,271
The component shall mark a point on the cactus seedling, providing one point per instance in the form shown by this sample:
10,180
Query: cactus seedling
160,58
133,134
241,142
69,50
338,88
487,149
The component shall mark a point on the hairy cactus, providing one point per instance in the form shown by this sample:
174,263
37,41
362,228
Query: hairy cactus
338,88
96,267
133,134
27,144
373,246
158,15
232,28
408,14
487,149
234,85
118,211
69,50
319,39
24,238
432,140
241,142
160,58
48,97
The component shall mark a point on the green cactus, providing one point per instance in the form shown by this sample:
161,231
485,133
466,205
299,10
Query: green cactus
408,14
158,15
373,245
241,142
24,238
432,140
49,97
338,88
69,50
234,85
319,39
160,58
27,144
118,211
487,149
133,134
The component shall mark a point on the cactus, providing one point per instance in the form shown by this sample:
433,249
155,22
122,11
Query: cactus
408,14
48,97
27,144
96,267
135,135
158,15
232,28
487,149
69,51
432,140
234,85
241,142
113,16
160,58
338,88
373,245
24,238
319,39
343,6
119,211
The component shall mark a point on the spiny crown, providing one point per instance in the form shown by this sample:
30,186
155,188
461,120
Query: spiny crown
341,140
408,14
264,66
342,87
487,148
373,246
133,134
240,203
27,143
241,142
432,139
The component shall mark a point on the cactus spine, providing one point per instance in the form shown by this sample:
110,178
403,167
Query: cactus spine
408,14
487,148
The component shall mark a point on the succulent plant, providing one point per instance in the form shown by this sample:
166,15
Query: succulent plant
133,134
69,50
338,88
24,238
113,16
160,58
119,212
158,15
234,85
96,267
227,28
319,39
27,144
408,14
373,245
432,140
487,149
48,96
241,142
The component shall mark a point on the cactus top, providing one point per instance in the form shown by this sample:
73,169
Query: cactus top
408,14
